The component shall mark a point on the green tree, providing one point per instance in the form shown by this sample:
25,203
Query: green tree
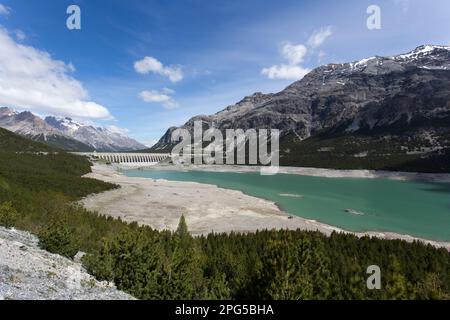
57,237
431,288
182,229
396,286
8,215
287,276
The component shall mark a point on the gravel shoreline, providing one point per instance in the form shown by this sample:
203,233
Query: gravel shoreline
207,208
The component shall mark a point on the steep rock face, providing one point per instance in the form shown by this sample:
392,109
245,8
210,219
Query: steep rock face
409,93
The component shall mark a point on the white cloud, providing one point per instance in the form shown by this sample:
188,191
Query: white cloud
32,79
168,91
319,37
295,54
150,64
4,10
286,72
163,97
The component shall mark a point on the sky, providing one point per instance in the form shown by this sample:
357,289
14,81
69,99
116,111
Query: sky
141,66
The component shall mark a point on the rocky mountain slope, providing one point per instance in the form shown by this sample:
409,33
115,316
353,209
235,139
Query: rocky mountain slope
28,125
65,133
29,273
353,115
99,138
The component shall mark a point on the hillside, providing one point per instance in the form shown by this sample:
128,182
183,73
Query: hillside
11,142
388,113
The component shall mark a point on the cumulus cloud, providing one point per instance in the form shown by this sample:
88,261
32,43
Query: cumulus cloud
4,10
295,55
286,72
319,37
163,97
32,79
153,65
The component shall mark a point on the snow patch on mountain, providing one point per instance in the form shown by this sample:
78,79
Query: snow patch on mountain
100,138
66,132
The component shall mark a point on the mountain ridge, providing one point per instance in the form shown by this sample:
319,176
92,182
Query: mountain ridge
404,97
65,133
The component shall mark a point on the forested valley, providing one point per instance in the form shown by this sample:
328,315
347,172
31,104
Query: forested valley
39,190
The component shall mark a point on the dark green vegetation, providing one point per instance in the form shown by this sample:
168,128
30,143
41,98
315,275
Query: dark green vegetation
370,151
268,265
10,142
37,192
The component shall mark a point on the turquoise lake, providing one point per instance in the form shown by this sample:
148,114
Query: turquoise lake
421,209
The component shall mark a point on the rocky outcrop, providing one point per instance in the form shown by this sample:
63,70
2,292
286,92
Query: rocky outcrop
29,273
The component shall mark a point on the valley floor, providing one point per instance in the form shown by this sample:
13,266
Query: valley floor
207,208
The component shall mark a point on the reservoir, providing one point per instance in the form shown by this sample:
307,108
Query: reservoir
420,209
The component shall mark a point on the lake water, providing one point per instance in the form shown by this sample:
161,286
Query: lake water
420,209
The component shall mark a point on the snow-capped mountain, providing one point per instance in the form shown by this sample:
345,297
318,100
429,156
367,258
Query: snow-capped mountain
99,138
65,133
33,127
403,100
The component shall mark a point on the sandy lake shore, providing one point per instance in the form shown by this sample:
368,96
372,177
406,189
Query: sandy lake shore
207,208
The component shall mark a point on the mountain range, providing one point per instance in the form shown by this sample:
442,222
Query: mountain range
66,133
388,113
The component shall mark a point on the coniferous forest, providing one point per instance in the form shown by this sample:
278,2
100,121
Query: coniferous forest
39,190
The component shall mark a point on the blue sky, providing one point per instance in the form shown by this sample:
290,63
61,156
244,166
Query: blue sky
201,55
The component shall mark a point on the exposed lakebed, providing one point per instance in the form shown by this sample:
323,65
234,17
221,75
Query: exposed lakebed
420,209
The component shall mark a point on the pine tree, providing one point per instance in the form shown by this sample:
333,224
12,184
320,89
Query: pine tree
8,215
57,237
396,287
